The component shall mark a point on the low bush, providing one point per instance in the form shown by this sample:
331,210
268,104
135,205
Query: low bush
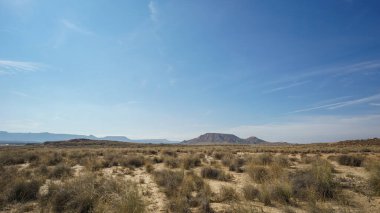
169,180
374,180
260,174
316,181
227,193
250,192
91,194
55,159
133,161
23,190
60,171
7,158
172,162
191,162
214,173
351,160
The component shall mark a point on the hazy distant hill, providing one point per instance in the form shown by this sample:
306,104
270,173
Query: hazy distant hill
219,138
46,136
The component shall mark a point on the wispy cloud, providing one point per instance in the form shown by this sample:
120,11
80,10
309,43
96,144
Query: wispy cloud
374,104
286,87
153,11
314,129
335,71
11,67
341,104
74,27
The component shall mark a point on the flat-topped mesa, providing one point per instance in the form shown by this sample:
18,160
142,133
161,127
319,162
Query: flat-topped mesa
220,138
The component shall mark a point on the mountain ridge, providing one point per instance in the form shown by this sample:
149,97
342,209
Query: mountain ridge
221,138
46,136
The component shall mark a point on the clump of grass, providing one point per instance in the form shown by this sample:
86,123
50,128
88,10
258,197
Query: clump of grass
281,192
260,174
172,162
91,194
351,160
315,183
111,159
133,161
10,158
149,167
374,180
60,171
191,162
55,159
214,173
168,179
23,190
233,163
168,152
282,160
227,193
218,155
264,159
250,192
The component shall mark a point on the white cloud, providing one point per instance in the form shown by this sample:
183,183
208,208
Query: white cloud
11,67
314,129
334,71
74,27
286,87
153,11
374,104
341,104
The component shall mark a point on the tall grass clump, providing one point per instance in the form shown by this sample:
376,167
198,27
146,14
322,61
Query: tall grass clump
191,162
316,182
91,194
23,190
374,180
351,160
214,173
259,174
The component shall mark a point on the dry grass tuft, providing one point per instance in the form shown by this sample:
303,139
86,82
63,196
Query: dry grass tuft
214,173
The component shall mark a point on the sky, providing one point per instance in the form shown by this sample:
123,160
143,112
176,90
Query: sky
296,71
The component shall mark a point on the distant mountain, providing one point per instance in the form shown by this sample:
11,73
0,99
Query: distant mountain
219,138
46,136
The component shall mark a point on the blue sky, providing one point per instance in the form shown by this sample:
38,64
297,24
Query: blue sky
298,71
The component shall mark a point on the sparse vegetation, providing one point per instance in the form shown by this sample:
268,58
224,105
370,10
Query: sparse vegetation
214,173
188,179
351,160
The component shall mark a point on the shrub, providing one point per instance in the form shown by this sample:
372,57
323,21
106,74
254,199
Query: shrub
214,173
250,192
227,193
191,162
23,190
282,160
170,180
259,174
90,194
265,195
172,162
350,160
318,181
149,168
374,180
133,161
60,171
218,155
7,158
265,159
281,192
171,153
55,159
